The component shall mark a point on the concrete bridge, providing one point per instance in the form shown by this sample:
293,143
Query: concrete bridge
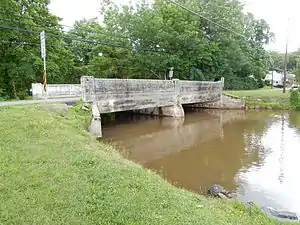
156,97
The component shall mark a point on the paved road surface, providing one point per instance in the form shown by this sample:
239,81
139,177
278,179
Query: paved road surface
27,102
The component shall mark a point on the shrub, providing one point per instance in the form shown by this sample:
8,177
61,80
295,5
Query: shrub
294,99
3,95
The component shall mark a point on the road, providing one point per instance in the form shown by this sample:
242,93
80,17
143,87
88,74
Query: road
27,102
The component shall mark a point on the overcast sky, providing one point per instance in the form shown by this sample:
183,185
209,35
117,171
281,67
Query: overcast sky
275,12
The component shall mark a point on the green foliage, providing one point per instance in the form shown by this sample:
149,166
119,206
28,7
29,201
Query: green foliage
153,37
20,60
198,50
295,99
293,62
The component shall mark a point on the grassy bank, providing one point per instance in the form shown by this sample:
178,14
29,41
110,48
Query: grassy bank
264,98
53,172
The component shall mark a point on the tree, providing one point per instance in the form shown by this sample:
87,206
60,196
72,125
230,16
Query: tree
135,41
20,61
197,48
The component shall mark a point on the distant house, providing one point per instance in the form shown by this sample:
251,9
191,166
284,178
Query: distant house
278,79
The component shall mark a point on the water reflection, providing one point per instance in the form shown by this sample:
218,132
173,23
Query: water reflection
274,180
253,154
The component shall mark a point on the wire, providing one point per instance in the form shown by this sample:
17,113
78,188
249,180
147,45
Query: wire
77,39
18,28
205,18
38,26
71,27
28,18
19,43
28,43
32,25
211,21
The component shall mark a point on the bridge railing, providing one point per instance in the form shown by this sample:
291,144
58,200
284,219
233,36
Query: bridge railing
113,95
56,90
199,91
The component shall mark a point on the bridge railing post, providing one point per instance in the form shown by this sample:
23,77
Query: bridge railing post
176,91
222,82
87,88
96,127
222,86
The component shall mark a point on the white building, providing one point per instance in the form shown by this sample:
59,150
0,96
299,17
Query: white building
278,79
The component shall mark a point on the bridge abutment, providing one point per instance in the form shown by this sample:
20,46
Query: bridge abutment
173,111
96,127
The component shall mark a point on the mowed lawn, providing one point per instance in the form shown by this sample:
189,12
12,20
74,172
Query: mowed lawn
53,172
261,93
264,98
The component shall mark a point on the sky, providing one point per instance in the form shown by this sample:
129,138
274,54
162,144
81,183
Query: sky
282,15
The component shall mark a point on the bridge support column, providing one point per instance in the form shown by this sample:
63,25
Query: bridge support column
172,111
95,127
168,111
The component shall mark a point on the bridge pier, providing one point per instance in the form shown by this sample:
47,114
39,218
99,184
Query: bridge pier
173,111
168,111
95,127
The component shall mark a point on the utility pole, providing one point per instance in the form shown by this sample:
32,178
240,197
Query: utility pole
272,67
286,58
171,73
43,55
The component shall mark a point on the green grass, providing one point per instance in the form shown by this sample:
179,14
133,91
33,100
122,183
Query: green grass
5,99
264,93
264,98
53,172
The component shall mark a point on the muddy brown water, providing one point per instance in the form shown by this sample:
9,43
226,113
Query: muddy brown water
256,155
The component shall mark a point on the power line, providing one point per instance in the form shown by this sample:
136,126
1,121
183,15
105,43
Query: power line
38,26
28,43
19,43
213,22
205,18
28,18
95,32
19,29
77,39
62,25
26,24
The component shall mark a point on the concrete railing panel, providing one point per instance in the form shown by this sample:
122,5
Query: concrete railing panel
113,95
199,91
56,90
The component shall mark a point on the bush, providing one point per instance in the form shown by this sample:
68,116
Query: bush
267,83
3,95
242,83
294,99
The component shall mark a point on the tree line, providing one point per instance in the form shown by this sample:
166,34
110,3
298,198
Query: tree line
139,40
